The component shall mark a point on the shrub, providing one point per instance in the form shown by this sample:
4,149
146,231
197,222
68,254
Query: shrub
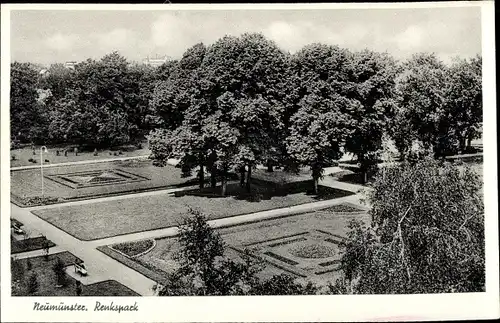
13,157
32,284
38,200
58,269
47,161
78,288
17,269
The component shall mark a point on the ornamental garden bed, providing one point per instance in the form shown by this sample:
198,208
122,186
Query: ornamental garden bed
305,245
153,273
134,248
117,217
77,182
41,268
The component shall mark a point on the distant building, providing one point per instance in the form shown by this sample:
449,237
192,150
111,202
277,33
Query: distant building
155,62
44,72
70,65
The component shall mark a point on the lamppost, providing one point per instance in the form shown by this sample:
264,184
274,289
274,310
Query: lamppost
42,150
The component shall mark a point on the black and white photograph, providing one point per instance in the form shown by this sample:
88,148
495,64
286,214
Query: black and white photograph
168,154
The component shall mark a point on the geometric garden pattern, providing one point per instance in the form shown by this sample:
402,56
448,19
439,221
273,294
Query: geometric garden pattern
303,254
86,179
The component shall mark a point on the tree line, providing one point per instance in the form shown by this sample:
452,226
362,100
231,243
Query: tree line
243,101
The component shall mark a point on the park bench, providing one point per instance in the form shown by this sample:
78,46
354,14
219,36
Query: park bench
80,268
17,229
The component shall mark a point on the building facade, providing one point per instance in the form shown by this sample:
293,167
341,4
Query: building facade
155,62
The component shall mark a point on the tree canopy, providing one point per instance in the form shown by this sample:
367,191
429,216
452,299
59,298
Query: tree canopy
426,235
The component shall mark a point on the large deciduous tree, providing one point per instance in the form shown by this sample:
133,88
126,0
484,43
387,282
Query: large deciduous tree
421,99
320,122
318,131
178,103
244,81
371,83
224,105
28,118
58,81
463,95
140,83
102,103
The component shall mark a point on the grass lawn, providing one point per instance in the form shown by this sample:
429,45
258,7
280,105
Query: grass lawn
27,183
37,243
159,261
23,154
47,280
111,218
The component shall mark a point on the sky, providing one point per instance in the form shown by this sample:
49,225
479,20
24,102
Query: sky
57,36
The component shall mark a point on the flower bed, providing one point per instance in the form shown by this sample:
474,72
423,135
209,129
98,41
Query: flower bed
343,208
135,248
312,251
38,200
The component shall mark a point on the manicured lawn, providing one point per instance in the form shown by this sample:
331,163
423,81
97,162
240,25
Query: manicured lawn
111,218
47,280
160,260
27,183
37,243
23,154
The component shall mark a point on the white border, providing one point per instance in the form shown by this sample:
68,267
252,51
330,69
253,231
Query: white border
249,6
272,308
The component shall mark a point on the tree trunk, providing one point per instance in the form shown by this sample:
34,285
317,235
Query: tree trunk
224,180
242,176
270,166
469,142
249,178
213,176
463,144
201,175
363,168
316,174
315,187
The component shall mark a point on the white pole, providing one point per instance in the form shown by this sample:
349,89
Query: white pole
41,167
41,164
